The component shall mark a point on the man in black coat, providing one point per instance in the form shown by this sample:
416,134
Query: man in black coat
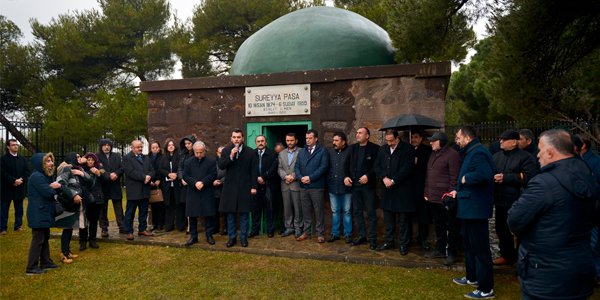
394,166
112,190
527,143
514,169
138,173
263,202
15,171
553,218
218,184
239,186
422,215
200,173
359,173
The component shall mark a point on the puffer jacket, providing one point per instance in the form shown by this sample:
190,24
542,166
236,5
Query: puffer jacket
40,208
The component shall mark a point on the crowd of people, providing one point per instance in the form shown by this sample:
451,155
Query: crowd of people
544,198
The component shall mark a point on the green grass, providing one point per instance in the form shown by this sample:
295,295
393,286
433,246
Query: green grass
117,271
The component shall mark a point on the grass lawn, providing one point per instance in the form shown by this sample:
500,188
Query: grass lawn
117,271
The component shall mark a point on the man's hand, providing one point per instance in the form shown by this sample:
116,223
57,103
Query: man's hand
173,176
157,183
253,191
234,151
348,181
453,194
18,182
199,185
113,176
77,199
363,180
388,182
147,179
305,180
77,172
55,185
498,178
217,182
289,179
183,182
415,160
261,180
463,180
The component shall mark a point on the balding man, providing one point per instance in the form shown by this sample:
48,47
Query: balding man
138,171
553,218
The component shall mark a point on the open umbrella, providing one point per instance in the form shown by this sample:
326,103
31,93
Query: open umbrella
410,122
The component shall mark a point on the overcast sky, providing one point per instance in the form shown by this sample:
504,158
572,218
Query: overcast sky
21,11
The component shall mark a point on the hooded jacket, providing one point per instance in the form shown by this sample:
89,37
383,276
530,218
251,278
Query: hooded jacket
553,218
40,208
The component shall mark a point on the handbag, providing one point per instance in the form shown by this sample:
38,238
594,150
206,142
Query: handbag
156,196
58,209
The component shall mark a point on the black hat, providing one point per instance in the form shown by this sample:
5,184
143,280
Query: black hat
510,135
438,136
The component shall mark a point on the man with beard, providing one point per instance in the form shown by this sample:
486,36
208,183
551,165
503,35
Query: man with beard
112,190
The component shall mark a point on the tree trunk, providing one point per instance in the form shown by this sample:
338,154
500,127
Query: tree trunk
17,134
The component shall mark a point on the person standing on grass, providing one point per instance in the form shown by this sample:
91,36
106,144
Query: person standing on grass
218,184
14,172
40,212
475,199
138,174
553,219
93,201
171,187
185,152
112,190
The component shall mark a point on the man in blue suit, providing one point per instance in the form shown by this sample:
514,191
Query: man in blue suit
475,199
311,166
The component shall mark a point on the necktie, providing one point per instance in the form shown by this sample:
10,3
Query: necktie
140,158
310,150
260,153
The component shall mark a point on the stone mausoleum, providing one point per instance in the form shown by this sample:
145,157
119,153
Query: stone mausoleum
320,68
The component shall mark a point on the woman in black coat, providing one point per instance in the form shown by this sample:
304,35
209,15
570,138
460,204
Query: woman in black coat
185,146
158,208
93,201
171,186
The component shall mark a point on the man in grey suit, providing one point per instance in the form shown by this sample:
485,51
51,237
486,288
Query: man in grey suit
290,187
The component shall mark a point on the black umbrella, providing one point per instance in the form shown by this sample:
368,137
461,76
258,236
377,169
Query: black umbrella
410,122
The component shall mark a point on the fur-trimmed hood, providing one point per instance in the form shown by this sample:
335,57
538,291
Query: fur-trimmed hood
62,166
38,161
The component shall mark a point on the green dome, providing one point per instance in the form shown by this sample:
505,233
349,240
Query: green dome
312,39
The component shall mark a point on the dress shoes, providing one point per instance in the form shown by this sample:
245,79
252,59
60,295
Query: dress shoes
210,240
282,230
122,230
130,236
270,234
373,245
3,232
321,238
244,243
424,245
224,232
500,261
37,271
191,241
231,242
298,233
333,238
52,266
450,260
146,233
303,237
287,233
82,246
385,247
104,232
19,229
348,239
435,254
359,241
160,227
403,250
94,245
252,234
154,227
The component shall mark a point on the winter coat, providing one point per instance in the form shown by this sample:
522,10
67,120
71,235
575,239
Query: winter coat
73,185
475,197
518,168
200,203
397,166
270,162
184,154
594,162
40,207
366,167
242,175
220,176
335,174
112,164
155,165
422,214
443,168
553,219
96,194
135,176
533,150
170,164
11,169
314,166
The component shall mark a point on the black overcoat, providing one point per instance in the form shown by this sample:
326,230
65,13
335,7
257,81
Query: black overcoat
13,168
422,214
155,165
367,166
200,203
164,169
220,176
242,175
270,162
398,167
135,175
112,164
